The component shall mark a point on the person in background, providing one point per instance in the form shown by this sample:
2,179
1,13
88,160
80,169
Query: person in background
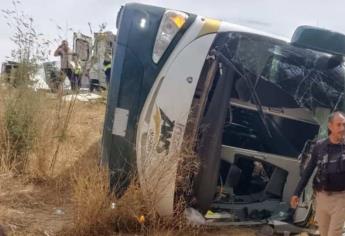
107,71
65,54
76,73
92,73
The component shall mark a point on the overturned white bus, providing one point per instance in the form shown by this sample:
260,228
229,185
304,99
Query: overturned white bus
248,100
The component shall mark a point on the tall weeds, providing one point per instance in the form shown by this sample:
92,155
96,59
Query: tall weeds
27,125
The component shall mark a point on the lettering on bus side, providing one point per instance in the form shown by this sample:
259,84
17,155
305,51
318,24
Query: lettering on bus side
167,127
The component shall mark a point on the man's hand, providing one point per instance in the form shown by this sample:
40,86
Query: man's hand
294,201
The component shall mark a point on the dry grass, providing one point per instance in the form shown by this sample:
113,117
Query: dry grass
19,128
28,132
98,212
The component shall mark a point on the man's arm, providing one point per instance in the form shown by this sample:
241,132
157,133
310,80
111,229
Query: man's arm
58,52
307,172
305,177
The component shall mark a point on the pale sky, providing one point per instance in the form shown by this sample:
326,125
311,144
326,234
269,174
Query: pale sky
273,16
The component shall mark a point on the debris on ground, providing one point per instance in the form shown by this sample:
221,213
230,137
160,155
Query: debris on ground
83,97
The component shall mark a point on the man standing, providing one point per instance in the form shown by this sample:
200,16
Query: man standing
66,57
77,73
328,158
107,70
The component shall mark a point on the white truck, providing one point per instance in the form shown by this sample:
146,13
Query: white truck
92,53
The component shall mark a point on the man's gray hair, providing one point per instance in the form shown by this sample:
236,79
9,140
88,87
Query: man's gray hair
334,114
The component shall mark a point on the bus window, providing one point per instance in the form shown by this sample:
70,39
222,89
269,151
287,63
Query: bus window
286,80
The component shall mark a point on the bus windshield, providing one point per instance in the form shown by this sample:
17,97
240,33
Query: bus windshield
301,87
312,79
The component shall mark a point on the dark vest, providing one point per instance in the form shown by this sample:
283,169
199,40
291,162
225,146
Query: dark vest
330,175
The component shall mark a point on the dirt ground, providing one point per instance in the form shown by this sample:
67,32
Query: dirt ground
28,207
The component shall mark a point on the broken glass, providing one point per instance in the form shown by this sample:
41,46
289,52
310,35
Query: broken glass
298,77
275,76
